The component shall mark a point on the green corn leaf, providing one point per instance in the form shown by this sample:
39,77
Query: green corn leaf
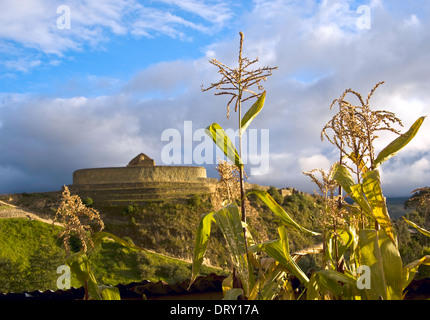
80,267
201,244
252,113
344,238
229,221
221,139
329,280
411,269
420,229
110,293
397,144
280,212
373,192
361,165
377,251
343,178
98,237
279,250
271,281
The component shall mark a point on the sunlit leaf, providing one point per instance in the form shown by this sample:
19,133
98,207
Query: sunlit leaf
201,243
252,113
110,293
328,280
420,229
397,144
221,139
359,163
80,267
411,269
377,251
280,212
373,192
229,221
279,250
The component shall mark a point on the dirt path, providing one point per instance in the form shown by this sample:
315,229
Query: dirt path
17,212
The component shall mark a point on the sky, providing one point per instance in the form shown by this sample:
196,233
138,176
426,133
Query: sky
93,83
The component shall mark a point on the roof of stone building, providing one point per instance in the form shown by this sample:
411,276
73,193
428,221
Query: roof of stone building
141,160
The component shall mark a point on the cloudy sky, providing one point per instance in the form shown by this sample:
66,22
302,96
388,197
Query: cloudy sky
92,83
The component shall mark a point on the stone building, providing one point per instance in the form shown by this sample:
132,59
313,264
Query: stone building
141,181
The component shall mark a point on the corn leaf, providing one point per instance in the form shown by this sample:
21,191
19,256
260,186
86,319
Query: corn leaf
331,281
271,281
80,267
411,269
359,163
373,192
110,293
201,244
420,229
377,251
343,177
280,212
229,221
221,139
279,250
98,237
397,144
252,113
344,238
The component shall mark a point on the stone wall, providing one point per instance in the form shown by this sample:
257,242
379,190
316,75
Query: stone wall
138,174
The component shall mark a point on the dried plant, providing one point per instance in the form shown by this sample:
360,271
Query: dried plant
228,186
228,189
355,127
236,82
75,217
334,214
421,196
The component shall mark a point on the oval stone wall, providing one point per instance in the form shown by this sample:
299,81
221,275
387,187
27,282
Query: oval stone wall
138,174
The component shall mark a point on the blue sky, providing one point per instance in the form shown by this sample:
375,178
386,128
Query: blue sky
97,94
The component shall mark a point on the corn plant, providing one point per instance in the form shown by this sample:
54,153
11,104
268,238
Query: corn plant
252,276
373,250
80,221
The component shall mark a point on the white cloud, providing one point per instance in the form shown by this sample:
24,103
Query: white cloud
319,51
317,161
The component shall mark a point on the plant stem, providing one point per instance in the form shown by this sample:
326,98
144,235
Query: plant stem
86,290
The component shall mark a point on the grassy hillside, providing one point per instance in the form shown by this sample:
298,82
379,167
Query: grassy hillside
30,254
30,251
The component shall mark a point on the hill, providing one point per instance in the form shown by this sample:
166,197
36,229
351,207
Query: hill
164,227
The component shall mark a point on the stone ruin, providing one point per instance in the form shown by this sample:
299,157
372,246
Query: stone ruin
141,181
141,160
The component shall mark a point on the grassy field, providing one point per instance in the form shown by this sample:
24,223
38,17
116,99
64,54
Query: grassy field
30,254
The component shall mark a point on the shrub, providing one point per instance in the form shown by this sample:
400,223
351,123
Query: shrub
88,201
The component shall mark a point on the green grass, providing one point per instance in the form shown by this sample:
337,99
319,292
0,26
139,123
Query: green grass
30,254
5,208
